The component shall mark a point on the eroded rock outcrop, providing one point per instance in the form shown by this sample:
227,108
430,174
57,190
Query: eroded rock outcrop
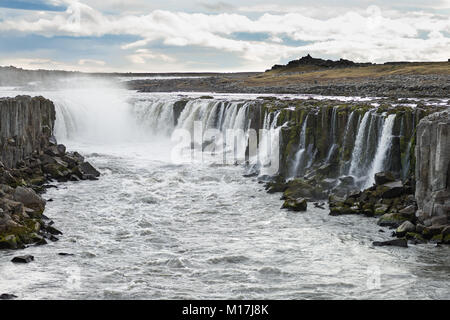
26,125
30,158
433,169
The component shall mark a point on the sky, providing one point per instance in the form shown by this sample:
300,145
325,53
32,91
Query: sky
224,35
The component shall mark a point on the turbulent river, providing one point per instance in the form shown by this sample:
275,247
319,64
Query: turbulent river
152,229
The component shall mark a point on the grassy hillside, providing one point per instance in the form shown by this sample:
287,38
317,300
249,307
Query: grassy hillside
315,73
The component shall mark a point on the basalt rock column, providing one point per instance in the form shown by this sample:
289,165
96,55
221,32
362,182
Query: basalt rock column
433,169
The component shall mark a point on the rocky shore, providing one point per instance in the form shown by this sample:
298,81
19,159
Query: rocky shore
417,206
397,86
30,160
330,150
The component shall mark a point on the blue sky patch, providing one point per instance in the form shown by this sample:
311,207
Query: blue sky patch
30,5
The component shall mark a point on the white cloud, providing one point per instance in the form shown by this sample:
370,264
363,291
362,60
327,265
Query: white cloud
82,62
364,34
142,56
84,65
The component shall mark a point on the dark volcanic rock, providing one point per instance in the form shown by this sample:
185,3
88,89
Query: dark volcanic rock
395,242
23,259
404,228
87,171
392,189
29,198
432,169
295,204
310,61
384,177
30,158
65,254
7,296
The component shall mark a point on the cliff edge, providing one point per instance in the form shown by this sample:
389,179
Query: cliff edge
30,159
26,125
433,169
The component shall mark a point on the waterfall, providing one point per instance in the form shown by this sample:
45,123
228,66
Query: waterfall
359,145
96,116
406,160
383,146
344,166
332,135
155,115
106,117
268,151
299,155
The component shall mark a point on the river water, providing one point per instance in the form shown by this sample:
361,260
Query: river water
152,229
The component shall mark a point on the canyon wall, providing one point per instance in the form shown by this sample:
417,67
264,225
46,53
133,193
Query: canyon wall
30,158
433,169
26,124
329,142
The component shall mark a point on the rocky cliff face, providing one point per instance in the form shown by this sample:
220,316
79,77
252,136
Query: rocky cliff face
26,125
30,158
433,169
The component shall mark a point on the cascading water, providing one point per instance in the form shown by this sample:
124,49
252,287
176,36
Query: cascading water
155,115
268,151
383,146
334,145
300,154
345,165
358,156
140,119
82,115
149,229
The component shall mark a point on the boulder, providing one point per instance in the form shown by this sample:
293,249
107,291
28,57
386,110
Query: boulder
343,210
73,159
429,232
29,198
61,149
420,228
8,242
405,227
392,189
381,209
415,237
384,177
275,186
7,296
87,172
23,259
52,230
402,242
354,194
301,188
56,150
439,220
391,220
46,159
328,183
409,210
56,171
347,180
65,254
295,204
